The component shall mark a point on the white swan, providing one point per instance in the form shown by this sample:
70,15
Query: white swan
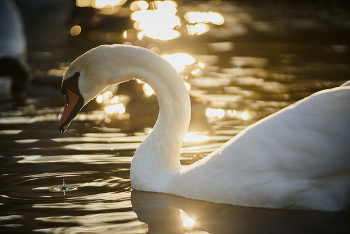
297,158
13,49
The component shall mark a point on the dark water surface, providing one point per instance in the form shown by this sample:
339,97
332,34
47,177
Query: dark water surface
265,56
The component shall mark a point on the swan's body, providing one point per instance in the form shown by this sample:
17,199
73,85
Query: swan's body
13,48
296,158
12,38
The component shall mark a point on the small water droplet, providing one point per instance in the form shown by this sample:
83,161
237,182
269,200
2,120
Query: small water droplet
60,188
63,188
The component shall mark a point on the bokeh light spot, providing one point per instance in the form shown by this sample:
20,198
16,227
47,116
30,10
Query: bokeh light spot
75,30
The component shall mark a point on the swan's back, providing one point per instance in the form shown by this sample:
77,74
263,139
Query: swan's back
312,132
283,160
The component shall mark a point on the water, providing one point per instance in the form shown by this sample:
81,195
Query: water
263,58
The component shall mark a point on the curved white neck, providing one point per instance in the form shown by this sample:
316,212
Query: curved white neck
159,153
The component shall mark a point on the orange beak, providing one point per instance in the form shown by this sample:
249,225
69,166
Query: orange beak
72,107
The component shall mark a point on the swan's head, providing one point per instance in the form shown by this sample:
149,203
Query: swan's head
86,77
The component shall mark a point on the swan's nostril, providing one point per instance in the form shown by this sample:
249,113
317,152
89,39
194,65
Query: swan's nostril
67,100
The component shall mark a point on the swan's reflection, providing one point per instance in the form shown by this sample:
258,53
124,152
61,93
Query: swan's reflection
162,214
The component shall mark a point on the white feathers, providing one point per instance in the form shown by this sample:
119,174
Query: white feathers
296,158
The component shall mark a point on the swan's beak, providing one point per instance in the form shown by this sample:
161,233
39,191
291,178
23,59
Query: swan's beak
72,107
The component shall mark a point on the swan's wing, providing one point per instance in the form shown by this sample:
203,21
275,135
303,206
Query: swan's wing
309,139
273,162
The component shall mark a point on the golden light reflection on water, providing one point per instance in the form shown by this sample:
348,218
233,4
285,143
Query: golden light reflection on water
204,17
201,65
10,217
232,112
28,119
94,224
179,60
107,95
156,19
102,146
104,97
99,4
194,72
95,206
139,6
10,132
103,137
220,113
159,22
99,99
117,108
90,219
113,104
245,115
26,141
115,100
198,21
148,90
187,222
188,86
76,158
197,29
192,137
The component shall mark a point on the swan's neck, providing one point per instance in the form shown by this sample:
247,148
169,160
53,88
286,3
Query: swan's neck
159,153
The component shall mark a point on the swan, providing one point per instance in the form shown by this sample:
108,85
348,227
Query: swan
13,49
297,158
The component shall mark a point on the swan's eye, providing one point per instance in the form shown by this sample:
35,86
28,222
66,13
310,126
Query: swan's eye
63,91
70,83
